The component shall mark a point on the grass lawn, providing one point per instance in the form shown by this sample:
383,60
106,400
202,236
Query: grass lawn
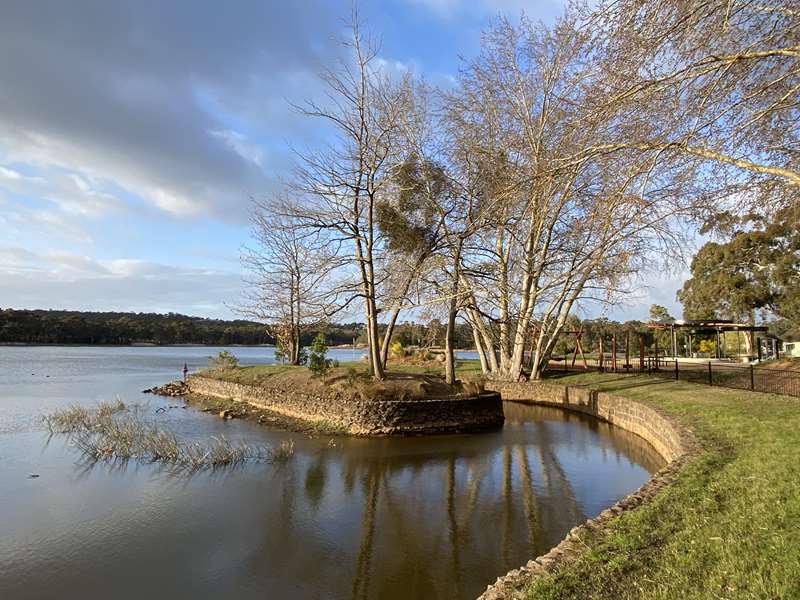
728,527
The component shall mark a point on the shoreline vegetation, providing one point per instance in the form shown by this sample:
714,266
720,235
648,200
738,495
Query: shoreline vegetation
114,431
726,527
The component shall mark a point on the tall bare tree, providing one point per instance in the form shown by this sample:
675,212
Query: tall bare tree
340,185
722,80
563,231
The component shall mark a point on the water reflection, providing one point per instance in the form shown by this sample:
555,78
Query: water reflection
438,519
427,517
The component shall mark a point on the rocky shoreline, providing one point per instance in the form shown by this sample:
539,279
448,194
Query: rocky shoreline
172,389
227,408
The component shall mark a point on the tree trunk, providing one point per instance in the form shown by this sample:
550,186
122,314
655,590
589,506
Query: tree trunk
387,338
481,351
450,358
376,366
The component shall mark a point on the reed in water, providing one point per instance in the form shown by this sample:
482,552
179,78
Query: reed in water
113,431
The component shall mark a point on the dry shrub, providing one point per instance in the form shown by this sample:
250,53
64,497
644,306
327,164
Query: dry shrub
383,391
472,385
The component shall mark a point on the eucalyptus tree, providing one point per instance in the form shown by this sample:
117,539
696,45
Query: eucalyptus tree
757,268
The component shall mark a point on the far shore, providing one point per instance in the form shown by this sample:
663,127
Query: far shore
142,345
154,345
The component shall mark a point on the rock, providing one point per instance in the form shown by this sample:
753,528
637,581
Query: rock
173,388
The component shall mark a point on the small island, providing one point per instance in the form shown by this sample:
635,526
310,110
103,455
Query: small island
410,401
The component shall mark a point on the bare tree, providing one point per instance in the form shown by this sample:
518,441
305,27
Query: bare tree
289,286
340,185
722,80
562,231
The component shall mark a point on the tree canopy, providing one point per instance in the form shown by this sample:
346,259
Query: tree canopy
754,269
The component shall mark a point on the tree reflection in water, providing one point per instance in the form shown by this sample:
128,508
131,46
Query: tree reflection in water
441,517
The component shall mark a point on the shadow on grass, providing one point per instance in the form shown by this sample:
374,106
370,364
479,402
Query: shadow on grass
622,382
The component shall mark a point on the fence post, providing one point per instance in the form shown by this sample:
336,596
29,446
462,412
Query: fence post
710,380
676,369
752,379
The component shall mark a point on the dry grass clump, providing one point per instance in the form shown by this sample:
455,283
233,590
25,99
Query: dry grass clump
112,431
77,418
472,385
388,390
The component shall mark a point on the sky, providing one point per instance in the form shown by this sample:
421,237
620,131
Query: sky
133,136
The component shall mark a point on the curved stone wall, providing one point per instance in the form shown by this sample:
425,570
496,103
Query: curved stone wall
673,443
364,417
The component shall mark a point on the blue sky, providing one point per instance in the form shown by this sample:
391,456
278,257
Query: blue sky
132,136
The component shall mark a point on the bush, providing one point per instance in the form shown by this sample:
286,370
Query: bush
223,360
355,376
317,363
396,349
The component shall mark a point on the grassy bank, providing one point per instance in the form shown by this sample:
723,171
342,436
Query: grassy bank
403,381
729,527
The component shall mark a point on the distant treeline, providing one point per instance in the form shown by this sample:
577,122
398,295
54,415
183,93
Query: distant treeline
124,328
76,327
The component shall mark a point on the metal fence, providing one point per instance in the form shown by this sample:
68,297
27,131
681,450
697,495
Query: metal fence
737,376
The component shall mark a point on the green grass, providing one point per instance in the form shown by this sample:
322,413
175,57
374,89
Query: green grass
728,527
250,375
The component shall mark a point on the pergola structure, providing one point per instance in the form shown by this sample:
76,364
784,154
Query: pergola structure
716,326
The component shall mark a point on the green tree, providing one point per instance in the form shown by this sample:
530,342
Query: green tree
223,360
660,314
755,269
318,364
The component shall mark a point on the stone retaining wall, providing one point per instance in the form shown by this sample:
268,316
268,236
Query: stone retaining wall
674,443
364,417
635,417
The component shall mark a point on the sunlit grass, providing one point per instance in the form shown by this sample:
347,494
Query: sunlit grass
728,527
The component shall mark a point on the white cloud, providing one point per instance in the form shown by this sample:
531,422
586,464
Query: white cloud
239,143
34,280
69,192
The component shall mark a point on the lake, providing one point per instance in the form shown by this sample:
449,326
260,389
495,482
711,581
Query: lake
351,518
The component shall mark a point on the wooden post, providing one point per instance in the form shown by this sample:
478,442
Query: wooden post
628,350
583,356
600,363
655,342
577,345
641,352
614,353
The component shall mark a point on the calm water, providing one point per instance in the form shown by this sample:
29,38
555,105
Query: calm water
389,518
